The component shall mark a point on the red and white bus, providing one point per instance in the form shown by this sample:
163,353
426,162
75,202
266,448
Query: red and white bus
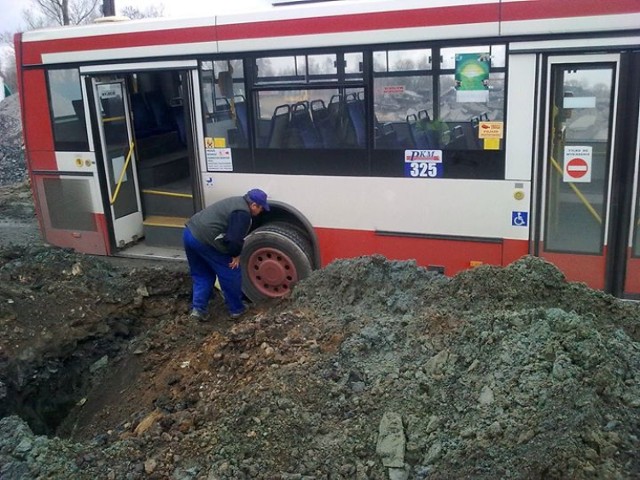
453,132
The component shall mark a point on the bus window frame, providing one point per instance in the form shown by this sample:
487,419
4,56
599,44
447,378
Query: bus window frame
481,164
65,145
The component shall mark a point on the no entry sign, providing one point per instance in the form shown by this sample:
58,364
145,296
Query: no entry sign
577,164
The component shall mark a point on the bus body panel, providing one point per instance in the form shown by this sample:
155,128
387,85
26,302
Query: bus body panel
549,16
116,44
38,135
93,240
449,256
582,268
335,24
453,223
520,112
480,209
332,27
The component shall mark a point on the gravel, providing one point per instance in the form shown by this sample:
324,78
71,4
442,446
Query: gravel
12,164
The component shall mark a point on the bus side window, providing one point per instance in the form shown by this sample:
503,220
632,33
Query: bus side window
464,101
223,102
67,110
403,88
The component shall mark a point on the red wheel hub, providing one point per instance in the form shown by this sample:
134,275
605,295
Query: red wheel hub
271,272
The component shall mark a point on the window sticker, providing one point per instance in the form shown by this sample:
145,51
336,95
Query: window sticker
491,130
219,160
118,166
423,163
491,144
577,164
519,219
472,77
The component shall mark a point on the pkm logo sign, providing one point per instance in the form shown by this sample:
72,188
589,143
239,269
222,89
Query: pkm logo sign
423,163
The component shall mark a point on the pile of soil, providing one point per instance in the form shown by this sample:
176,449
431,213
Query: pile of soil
372,369
12,164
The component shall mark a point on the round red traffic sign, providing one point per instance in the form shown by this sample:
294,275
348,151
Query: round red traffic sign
577,167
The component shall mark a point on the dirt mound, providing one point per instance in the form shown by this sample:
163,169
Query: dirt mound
371,370
12,164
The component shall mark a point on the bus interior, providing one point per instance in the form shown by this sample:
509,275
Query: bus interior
164,154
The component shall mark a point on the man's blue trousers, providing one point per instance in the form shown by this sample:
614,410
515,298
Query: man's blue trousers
205,264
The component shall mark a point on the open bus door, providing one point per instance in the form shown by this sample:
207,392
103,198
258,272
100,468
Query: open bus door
119,159
590,171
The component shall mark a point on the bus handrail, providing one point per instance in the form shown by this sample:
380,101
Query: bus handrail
122,172
578,193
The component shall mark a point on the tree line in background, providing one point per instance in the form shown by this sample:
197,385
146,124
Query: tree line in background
54,13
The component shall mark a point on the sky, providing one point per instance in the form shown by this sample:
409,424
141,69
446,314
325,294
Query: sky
11,10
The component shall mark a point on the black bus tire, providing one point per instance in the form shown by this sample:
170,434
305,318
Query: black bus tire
275,257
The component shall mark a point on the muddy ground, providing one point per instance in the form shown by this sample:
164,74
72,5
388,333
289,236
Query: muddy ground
373,369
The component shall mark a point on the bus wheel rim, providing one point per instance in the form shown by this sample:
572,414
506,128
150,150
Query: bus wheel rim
272,272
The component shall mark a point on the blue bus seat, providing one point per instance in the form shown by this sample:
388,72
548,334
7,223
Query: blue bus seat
418,132
457,140
355,109
385,134
325,119
222,109
279,127
302,129
242,120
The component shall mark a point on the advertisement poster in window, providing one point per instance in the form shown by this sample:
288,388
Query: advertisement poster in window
472,77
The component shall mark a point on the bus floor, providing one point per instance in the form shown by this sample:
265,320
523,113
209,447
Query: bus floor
151,252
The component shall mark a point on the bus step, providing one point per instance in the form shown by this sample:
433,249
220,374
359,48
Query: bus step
167,203
164,231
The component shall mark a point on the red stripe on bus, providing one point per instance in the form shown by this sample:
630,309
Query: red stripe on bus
425,17
632,281
34,50
91,243
545,9
579,267
454,255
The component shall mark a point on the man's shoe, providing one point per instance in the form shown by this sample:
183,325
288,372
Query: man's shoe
235,316
198,315
245,309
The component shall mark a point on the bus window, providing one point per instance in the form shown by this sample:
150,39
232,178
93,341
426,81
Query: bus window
311,118
353,65
67,110
224,102
472,90
291,68
322,67
291,114
403,99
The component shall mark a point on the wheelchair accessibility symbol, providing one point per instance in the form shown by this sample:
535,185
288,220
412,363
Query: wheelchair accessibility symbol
519,219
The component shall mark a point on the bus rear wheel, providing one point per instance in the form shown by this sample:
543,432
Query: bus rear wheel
274,258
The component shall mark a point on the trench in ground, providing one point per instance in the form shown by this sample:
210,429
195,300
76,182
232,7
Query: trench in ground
44,391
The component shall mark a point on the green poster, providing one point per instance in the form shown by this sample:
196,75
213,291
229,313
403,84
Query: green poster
472,71
472,77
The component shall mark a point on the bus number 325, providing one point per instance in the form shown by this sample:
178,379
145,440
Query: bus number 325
423,169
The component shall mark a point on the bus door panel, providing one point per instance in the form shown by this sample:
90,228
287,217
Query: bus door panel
631,287
580,223
119,159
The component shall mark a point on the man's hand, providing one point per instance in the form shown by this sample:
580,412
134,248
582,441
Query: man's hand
235,262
